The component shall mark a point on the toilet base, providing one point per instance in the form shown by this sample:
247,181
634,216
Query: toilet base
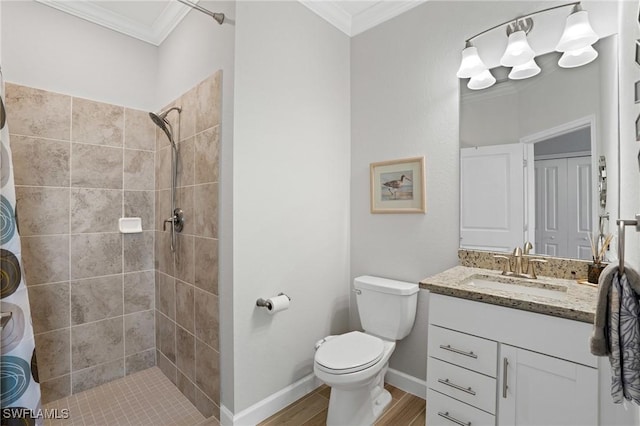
358,407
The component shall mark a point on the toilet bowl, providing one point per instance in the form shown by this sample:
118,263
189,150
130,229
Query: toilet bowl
354,364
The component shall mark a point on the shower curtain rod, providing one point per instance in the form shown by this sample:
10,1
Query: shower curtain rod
219,17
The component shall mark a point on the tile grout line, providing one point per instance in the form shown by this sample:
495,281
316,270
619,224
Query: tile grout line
122,242
69,247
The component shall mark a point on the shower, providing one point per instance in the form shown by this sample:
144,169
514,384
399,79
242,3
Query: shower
177,216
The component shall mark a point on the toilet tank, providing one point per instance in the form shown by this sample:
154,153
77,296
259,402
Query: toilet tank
387,307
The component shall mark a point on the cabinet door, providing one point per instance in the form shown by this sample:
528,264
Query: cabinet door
536,389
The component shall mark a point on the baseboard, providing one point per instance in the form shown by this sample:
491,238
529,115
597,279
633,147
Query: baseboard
270,405
407,383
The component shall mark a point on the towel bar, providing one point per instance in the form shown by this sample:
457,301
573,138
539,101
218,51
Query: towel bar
621,225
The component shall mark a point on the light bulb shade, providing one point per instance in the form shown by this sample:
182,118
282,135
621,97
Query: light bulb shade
524,71
481,81
577,58
518,51
577,33
471,64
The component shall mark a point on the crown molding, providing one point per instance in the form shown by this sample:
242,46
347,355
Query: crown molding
379,13
367,19
92,12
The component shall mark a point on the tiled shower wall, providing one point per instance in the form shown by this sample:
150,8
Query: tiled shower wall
186,281
79,166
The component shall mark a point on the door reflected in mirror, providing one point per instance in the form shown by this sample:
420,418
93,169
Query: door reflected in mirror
529,157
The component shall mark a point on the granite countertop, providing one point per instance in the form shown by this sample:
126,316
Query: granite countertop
578,303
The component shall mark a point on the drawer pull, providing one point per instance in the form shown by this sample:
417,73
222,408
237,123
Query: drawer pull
505,386
453,385
453,419
458,351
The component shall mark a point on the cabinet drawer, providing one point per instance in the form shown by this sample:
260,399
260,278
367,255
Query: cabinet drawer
462,384
467,351
445,411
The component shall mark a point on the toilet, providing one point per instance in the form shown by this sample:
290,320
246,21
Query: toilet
354,364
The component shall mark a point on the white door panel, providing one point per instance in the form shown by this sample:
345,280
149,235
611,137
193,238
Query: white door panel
580,217
491,197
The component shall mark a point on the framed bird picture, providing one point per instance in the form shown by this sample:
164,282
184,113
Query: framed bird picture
398,186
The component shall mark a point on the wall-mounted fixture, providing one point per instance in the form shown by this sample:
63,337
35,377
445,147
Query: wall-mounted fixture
575,45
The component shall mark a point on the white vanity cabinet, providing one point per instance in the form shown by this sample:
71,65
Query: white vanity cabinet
491,365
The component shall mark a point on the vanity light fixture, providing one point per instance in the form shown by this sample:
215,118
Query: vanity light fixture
575,44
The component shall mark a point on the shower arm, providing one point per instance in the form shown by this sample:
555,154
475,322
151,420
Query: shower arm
219,17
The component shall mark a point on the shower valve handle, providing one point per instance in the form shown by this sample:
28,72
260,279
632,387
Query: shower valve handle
171,220
176,221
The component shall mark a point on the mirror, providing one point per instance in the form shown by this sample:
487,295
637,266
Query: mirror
531,157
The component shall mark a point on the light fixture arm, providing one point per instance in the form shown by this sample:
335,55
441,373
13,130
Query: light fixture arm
521,23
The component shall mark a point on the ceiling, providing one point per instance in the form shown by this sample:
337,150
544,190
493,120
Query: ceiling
153,20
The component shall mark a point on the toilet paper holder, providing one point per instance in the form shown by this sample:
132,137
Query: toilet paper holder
264,303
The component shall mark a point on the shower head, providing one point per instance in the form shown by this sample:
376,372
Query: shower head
160,120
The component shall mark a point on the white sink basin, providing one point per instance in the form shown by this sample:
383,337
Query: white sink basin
518,286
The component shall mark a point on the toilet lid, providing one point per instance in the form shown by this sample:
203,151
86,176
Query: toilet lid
349,353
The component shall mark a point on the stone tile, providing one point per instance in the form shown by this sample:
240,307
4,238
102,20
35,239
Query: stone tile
49,305
35,112
206,264
189,103
40,162
208,370
206,210
167,336
207,318
96,166
186,387
94,255
204,404
53,351
42,211
96,343
140,361
139,170
184,306
139,332
167,367
163,168
173,117
45,259
184,258
55,389
97,123
139,130
166,292
209,101
163,254
163,207
95,210
138,251
184,200
140,204
207,161
96,376
139,291
185,353
186,162
96,299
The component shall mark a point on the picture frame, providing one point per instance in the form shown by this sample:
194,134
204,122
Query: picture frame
638,52
637,92
638,129
398,186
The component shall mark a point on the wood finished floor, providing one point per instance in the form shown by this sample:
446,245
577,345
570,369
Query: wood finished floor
311,410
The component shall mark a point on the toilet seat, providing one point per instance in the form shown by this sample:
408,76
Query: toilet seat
349,353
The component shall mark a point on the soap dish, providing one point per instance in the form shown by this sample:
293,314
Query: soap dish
130,225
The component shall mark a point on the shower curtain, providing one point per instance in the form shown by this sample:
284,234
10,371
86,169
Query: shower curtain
19,384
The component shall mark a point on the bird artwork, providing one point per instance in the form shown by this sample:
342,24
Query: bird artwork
394,185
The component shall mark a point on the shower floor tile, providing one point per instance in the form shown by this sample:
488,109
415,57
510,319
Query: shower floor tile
141,399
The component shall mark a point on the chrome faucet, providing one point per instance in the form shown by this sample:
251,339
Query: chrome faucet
520,263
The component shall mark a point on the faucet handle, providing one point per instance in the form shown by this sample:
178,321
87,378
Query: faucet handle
533,262
504,264
527,247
